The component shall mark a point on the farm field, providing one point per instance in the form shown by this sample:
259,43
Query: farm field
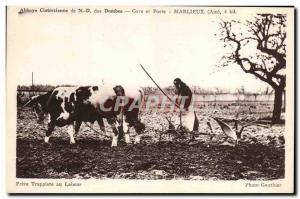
258,156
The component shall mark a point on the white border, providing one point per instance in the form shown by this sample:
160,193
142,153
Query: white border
296,3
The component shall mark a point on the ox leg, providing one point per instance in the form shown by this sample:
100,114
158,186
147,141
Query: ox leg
126,132
120,123
71,133
115,134
77,125
137,139
49,132
102,127
139,128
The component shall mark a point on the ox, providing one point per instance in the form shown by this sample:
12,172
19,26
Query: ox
73,105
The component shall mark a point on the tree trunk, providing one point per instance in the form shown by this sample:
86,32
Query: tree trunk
284,100
277,106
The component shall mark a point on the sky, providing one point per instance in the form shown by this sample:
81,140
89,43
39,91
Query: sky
88,49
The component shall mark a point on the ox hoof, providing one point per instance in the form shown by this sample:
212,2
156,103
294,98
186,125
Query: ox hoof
46,139
107,135
127,139
72,142
128,142
114,142
137,140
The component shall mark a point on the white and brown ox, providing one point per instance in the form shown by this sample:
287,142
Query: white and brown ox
73,105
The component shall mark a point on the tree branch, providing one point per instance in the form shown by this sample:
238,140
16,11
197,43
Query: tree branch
260,28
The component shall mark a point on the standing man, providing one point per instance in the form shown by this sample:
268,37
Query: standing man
188,118
184,94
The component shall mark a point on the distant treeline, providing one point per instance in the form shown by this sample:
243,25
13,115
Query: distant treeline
154,90
25,92
39,87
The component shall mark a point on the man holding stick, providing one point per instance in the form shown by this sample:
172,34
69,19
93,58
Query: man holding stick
188,118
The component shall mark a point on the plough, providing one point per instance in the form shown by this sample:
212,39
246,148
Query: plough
230,133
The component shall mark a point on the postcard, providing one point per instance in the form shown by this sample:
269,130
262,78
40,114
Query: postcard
150,99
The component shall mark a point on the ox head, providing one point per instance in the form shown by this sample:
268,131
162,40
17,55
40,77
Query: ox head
36,102
119,90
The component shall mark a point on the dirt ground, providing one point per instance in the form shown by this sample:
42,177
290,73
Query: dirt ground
258,156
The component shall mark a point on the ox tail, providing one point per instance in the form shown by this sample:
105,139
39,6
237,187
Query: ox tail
31,101
25,105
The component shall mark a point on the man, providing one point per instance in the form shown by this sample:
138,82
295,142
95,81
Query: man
188,118
184,94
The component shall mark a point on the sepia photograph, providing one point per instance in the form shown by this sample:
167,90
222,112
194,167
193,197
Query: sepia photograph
148,99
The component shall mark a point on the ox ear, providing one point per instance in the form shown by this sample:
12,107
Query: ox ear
33,100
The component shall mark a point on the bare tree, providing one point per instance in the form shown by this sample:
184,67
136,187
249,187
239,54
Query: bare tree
258,47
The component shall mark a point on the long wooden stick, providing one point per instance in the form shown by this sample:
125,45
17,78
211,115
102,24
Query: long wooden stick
159,86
